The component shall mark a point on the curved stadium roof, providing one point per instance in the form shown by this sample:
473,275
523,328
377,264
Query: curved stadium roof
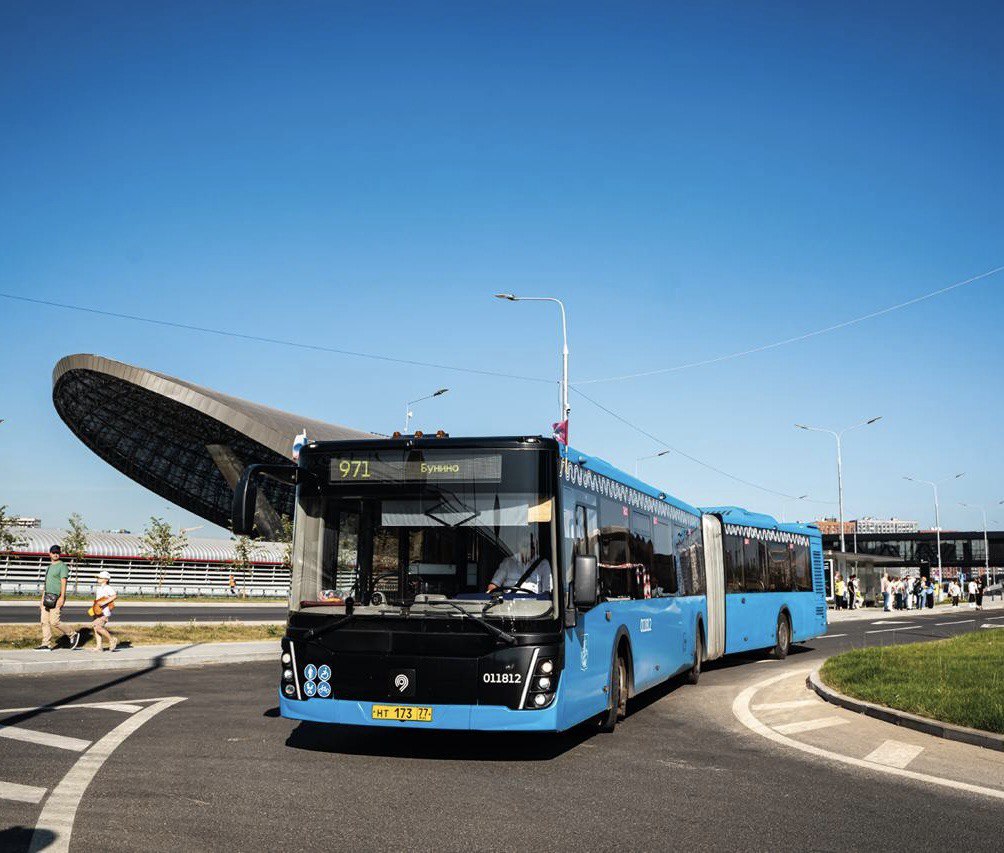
182,441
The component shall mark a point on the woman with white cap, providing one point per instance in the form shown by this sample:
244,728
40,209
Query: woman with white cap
101,610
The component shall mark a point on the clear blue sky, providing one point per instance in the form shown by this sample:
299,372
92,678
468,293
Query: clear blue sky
693,178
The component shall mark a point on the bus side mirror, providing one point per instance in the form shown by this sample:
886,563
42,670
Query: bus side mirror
586,582
246,493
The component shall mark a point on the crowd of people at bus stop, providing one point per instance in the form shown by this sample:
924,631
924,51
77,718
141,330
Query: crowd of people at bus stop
907,593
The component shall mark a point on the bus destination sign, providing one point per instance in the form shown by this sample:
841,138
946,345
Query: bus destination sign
416,468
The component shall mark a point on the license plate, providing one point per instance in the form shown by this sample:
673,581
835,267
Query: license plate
402,713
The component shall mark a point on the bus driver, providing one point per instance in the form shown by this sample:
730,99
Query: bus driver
537,570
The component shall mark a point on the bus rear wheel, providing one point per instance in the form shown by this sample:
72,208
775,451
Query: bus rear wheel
783,641
607,721
694,673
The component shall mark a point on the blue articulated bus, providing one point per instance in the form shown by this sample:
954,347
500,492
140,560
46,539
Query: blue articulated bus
514,584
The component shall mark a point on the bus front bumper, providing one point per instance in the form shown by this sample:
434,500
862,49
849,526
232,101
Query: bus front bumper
494,718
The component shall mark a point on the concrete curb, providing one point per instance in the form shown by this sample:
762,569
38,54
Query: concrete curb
976,737
140,657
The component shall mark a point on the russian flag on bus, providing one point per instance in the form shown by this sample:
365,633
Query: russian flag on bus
298,443
561,431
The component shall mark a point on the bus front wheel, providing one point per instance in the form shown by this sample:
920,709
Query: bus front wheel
783,641
694,673
618,697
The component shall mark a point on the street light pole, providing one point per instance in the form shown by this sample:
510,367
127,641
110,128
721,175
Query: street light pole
937,511
643,458
512,297
986,540
409,414
840,467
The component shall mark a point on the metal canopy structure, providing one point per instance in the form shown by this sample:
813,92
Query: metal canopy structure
182,441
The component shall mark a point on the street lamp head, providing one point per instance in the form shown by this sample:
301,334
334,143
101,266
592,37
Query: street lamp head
662,453
873,420
801,426
440,391
909,478
956,477
802,497
512,297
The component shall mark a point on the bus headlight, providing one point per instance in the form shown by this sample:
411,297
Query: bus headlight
287,674
547,667
540,700
544,683
285,658
289,690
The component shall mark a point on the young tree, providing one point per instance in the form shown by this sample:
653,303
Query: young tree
162,545
244,551
9,538
286,538
75,544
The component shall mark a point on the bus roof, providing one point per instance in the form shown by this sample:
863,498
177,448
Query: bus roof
740,515
605,469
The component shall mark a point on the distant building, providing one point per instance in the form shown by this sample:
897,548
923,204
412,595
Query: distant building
204,566
831,527
25,521
885,525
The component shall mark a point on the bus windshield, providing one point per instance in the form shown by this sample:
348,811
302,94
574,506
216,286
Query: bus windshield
394,533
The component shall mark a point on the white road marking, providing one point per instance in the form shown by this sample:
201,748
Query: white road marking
956,622
741,711
891,622
21,793
829,636
125,707
768,660
894,753
55,823
74,744
781,706
887,630
810,725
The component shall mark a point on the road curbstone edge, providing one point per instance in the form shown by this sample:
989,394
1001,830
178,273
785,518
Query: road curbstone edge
976,737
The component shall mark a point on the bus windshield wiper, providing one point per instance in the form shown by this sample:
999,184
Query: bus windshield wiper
491,629
327,627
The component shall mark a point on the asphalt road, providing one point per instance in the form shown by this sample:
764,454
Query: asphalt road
127,612
221,770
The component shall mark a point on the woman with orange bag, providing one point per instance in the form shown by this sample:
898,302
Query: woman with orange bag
101,610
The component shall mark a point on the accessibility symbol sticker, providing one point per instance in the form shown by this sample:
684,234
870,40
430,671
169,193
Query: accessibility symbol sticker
310,672
309,688
324,673
324,690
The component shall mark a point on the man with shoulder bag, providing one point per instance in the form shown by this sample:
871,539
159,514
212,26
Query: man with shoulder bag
53,598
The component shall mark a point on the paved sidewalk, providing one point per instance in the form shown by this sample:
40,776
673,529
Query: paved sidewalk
990,608
125,602
31,662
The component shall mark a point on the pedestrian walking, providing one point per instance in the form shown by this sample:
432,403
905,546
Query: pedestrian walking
233,585
839,590
954,591
104,602
918,593
972,593
53,598
852,592
981,586
886,592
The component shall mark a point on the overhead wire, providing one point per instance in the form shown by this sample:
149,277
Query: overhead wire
796,339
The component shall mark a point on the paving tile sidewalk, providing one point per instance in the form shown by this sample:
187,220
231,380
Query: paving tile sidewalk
31,662
990,609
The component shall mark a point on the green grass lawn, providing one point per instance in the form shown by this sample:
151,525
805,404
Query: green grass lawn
958,681
29,636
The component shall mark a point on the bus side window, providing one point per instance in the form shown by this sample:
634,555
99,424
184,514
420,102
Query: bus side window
664,581
778,567
803,569
581,532
754,565
734,563
641,555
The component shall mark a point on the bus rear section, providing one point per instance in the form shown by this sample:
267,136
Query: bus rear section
774,586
